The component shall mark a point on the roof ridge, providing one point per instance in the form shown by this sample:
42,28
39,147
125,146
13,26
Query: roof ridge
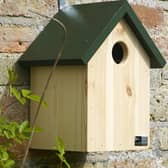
110,25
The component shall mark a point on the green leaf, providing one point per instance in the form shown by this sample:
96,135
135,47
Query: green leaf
62,158
31,96
61,151
5,156
23,126
26,92
34,97
67,164
13,131
15,92
9,164
12,76
37,99
6,134
60,146
37,130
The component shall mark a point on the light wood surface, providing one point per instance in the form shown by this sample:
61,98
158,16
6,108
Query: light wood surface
118,94
98,107
66,113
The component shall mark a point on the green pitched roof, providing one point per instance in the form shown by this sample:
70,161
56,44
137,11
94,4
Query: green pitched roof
88,25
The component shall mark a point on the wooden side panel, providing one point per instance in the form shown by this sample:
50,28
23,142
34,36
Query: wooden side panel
118,94
66,114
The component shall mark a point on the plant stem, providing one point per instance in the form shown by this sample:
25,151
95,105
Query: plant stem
60,164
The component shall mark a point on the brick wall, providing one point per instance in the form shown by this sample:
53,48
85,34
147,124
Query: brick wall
19,27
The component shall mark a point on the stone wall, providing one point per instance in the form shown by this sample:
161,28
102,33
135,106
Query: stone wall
19,27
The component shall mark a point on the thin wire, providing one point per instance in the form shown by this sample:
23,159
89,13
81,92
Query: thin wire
58,4
58,56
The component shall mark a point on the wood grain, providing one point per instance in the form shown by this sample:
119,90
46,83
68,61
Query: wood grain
66,113
98,107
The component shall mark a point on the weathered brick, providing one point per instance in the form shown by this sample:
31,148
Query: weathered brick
13,47
149,3
163,138
161,43
163,4
165,163
11,107
150,17
122,164
18,150
16,39
9,61
23,21
21,7
158,105
16,33
147,163
155,78
159,98
153,139
159,35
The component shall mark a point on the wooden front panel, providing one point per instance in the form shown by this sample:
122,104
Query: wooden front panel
96,102
66,114
118,94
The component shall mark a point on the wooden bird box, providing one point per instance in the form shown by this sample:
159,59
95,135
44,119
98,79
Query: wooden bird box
98,98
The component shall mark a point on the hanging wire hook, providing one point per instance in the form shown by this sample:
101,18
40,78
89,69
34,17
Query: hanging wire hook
61,4
58,56
58,3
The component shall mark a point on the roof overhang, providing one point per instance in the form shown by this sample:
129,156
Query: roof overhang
87,25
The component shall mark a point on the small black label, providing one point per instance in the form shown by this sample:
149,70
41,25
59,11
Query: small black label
141,141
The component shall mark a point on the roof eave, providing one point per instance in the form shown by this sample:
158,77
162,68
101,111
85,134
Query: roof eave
27,63
157,60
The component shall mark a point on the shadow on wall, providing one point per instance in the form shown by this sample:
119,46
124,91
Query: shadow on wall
48,159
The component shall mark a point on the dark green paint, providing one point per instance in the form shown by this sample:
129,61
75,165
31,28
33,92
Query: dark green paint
88,25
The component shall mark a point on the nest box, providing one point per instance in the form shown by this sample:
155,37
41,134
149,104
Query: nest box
98,98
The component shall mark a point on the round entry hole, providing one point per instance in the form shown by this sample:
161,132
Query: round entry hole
119,52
